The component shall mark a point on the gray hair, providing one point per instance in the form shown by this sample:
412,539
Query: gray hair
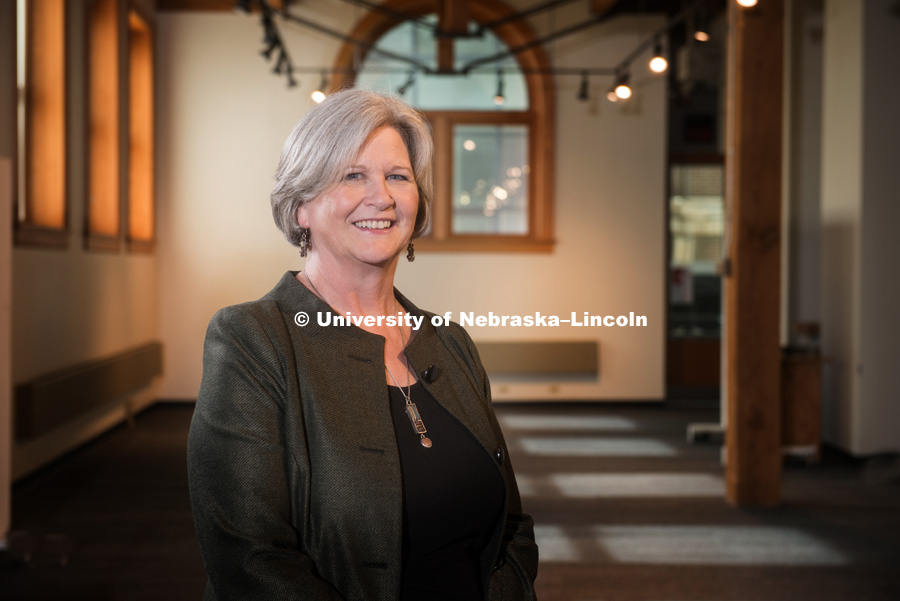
330,137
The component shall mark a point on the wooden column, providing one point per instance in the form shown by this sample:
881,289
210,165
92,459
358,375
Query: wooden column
752,288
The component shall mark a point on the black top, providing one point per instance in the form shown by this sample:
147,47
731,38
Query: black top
453,495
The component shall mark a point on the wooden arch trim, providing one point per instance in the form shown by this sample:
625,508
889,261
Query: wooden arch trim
536,69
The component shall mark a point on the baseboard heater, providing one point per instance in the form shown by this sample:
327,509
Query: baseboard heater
541,361
51,400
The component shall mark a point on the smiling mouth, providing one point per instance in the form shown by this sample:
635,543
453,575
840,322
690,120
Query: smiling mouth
374,224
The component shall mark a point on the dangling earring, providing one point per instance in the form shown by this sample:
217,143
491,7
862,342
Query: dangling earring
304,241
410,252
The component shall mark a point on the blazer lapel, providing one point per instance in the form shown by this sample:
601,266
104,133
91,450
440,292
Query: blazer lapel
452,385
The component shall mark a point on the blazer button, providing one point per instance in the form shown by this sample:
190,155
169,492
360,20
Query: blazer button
500,455
430,374
500,563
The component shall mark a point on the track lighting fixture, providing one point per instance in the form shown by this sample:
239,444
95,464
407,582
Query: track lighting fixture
499,98
658,64
318,95
280,63
701,27
622,89
271,44
402,90
694,14
583,95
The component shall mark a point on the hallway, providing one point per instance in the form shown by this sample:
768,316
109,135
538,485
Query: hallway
625,509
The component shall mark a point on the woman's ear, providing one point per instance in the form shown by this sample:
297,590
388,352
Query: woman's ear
303,216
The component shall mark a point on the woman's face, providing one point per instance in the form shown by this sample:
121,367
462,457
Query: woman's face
370,215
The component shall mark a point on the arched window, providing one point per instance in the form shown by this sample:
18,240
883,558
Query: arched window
494,163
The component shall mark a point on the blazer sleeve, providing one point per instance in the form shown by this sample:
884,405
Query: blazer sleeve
237,470
517,565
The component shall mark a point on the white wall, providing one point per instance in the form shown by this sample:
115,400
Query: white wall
803,127
860,133
223,118
879,412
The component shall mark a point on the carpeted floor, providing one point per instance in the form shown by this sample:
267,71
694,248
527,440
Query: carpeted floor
625,509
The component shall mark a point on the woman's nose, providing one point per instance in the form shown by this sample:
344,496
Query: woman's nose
380,195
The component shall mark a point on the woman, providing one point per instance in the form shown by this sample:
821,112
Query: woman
352,462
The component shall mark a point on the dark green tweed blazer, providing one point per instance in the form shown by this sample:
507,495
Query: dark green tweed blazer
293,464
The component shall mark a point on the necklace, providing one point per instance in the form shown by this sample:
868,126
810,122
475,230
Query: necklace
411,411
306,273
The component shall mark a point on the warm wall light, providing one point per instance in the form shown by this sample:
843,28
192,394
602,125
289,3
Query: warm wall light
658,64
622,89
318,95
701,28
499,98
747,3
403,89
583,95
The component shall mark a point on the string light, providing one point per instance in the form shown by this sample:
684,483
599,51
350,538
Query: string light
695,14
318,95
583,88
407,84
623,90
701,28
499,98
658,64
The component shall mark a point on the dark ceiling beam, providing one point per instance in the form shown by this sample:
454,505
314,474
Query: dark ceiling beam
399,16
601,7
528,12
453,22
208,5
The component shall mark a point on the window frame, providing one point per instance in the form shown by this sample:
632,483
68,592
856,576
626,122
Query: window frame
539,117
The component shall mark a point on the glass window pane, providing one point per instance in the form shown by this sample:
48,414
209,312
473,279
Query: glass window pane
475,91
696,225
490,179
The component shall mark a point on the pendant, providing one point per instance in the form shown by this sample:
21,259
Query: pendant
417,423
415,418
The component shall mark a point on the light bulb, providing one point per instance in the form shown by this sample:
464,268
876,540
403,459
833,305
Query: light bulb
623,91
747,3
658,64
317,96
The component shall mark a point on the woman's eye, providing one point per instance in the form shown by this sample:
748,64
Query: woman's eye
353,176
398,176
